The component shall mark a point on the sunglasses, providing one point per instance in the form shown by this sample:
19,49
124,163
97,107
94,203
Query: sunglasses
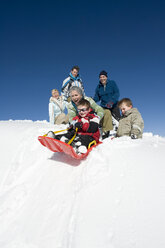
82,110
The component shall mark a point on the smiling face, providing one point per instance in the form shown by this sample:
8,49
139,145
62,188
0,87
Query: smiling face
75,96
103,79
83,110
124,108
55,93
74,72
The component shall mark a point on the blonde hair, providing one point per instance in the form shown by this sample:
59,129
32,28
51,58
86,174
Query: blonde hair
127,101
55,90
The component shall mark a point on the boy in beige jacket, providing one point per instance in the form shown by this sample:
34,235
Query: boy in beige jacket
131,122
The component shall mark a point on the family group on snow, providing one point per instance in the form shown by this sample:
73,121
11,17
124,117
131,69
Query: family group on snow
87,117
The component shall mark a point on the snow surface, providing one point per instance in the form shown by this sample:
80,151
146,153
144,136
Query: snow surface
115,198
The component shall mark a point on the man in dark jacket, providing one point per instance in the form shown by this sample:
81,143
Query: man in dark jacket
108,93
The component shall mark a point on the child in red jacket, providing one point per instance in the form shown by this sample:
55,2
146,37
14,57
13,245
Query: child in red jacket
87,125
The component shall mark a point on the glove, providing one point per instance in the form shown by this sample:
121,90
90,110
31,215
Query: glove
109,105
71,126
133,136
78,125
73,122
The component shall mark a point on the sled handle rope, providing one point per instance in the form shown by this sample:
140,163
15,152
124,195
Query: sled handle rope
57,132
92,143
70,141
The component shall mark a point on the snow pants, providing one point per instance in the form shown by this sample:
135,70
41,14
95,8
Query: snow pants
61,119
84,139
106,121
115,111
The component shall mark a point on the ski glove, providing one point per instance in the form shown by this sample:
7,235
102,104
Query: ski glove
73,122
72,125
109,105
79,125
133,136
135,133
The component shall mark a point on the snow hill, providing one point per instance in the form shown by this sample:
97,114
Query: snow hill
115,198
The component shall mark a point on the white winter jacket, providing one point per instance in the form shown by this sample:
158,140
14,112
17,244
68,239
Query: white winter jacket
56,107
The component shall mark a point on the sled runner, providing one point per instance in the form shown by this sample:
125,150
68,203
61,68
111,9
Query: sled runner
58,146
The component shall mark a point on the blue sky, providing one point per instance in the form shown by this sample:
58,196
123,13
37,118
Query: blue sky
41,40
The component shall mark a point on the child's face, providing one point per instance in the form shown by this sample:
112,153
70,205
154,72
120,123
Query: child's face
123,107
83,110
55,93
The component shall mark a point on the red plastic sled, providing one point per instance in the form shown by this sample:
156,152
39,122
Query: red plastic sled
59,146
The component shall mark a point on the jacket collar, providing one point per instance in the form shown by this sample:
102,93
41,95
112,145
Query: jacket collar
74,105
100,84
128,112
74,78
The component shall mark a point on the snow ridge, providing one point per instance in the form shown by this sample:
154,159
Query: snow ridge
115,198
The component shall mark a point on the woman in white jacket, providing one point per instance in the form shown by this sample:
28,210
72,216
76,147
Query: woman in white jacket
56,109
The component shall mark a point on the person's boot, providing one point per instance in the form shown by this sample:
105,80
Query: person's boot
82,149
115,123
64,139
51,134
105,135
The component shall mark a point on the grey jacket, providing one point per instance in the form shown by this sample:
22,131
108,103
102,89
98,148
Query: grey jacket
131,123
